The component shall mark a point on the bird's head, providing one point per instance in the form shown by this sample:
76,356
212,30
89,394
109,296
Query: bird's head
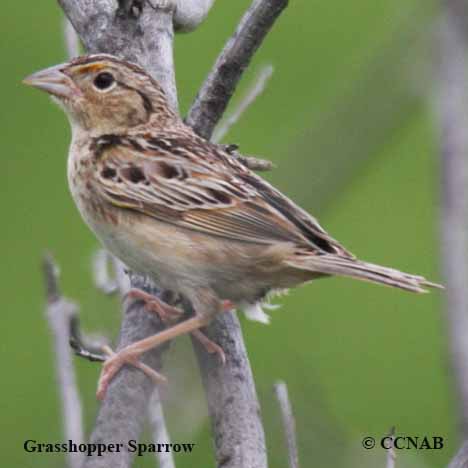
103,94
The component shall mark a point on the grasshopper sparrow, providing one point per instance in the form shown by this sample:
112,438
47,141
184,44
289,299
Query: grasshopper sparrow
180,209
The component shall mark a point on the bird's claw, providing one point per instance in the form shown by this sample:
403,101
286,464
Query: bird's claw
115,362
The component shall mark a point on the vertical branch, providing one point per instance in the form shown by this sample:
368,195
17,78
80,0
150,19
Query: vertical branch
289,425
452,109
233,405
60,312
391,454
460,460
123,412
101,264
159,430
230,389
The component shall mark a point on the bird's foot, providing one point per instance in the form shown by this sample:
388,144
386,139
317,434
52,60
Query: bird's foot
170,315
210,346
167,313
129,355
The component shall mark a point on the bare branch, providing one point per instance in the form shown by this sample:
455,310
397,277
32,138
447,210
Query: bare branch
121,276
60,312
232,399
230,390
252,162
102,278
391,454
461,458
452,109
123,411
221,83
289,424
83,346
256,88
159,430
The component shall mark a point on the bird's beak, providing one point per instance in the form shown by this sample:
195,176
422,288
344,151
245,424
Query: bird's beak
54,81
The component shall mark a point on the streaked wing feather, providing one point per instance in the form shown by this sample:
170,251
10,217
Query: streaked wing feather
206,192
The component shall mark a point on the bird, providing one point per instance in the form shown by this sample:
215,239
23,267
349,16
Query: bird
183,210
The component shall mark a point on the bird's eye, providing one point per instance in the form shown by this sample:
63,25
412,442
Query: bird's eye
104,81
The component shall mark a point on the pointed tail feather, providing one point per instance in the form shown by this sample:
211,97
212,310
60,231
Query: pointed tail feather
341,266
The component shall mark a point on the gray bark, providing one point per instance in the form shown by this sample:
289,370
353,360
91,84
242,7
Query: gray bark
452,109
60,311
461,458
124,410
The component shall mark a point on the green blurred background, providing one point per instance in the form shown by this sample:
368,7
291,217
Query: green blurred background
347,119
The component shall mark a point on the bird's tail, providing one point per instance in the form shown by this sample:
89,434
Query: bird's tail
342,266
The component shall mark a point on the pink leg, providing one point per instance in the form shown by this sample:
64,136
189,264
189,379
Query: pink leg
131,353
127,359
169,314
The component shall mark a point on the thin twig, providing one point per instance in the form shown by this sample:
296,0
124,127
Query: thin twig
451,106
460,460
255,89
82,346
252,162
222,81
159,430
60,312
102,278
391,454
289,424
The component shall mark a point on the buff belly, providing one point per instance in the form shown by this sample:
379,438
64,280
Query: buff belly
183,261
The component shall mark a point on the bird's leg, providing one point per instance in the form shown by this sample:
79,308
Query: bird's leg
131,353
170,314
149,371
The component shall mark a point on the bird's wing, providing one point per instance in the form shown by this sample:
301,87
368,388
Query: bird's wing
196,185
